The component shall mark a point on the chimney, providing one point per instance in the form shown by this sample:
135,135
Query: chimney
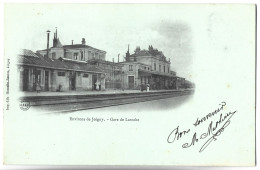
56,33
83,41
54,40
127,54
138,49
48,37
113,60
118,58
71,42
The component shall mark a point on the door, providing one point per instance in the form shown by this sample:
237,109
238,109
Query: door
25,79
131,82
36,78
94,80
72,81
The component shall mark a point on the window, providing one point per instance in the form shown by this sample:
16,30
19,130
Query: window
75,56
61,73
163,68
53,55
93,55
130,67
154,66
168,70
85,75
159,67
82,55
145,68
148,68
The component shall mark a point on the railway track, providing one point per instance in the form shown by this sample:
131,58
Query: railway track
83,102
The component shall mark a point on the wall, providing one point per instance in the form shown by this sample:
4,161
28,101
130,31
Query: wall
149,60
61,80
79,80
162,63
87,54
87,82
127,73
145,60
59,52
69,55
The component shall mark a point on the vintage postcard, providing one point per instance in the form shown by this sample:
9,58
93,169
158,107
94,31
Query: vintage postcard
129,84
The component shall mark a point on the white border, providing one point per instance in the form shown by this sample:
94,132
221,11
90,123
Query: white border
257,2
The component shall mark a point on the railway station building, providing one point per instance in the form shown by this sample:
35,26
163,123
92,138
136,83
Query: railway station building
82,67
67,67
61,68
56,74
85,54
148,67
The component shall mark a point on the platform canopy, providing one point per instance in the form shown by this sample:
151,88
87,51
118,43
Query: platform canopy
151,73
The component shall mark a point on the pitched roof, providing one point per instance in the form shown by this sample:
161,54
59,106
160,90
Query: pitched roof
148,52
153,52
80,46
75,46
26,52
143,53
59,45
56,64
94,61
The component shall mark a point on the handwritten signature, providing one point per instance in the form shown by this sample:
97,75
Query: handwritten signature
214,130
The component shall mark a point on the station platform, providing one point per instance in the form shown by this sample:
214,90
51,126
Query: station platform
85,93
83,100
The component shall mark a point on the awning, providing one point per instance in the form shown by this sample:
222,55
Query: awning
150,73
144,73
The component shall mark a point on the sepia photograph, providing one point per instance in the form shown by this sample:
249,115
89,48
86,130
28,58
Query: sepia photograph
139,60
79,77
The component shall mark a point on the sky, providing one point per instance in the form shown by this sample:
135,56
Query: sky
107,27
